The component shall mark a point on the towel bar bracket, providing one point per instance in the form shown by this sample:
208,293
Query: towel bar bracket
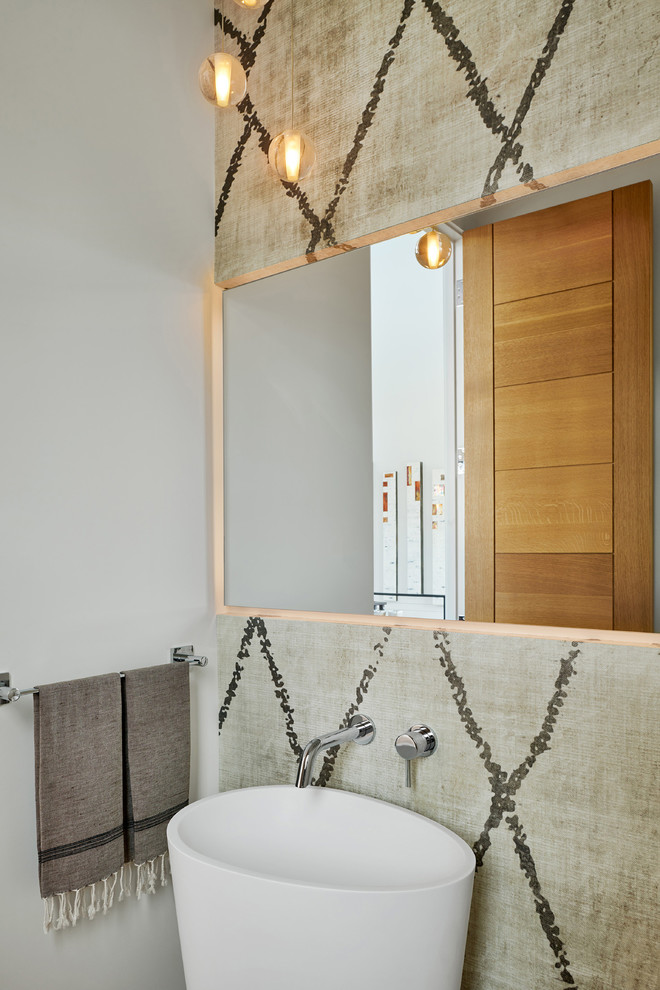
186,654
7,692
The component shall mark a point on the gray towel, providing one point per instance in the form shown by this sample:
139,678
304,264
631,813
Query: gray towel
112,765
78,778
156,763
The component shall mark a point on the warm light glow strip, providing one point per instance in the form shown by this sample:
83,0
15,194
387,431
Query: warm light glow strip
222,81
433,249
292,152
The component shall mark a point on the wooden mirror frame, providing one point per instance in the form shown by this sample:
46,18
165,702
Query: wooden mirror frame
483,628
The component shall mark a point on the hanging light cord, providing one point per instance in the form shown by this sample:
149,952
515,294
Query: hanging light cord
222,26
291,64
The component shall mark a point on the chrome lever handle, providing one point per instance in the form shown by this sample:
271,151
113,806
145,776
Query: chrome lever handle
418,741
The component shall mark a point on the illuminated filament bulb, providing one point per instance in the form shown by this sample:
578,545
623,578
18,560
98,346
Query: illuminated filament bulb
292,155
433,249
222,80
250,4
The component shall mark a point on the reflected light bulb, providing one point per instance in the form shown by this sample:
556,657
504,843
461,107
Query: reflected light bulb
433,249
250,4
292,155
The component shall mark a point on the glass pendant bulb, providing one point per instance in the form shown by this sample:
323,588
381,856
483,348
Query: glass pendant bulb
251,4
291,155
433,249
222,80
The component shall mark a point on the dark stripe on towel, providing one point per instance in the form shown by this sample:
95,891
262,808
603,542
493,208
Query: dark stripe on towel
156,756
78,782
93,842
163,816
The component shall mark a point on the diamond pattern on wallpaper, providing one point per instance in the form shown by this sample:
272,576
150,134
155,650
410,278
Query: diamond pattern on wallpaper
586,108
332,82
256,648
263,227
507,947
321,231
505,48
421,121
547,764
320,215
605,811
560,740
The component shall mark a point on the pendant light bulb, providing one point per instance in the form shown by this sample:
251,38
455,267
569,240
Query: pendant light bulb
222,80
251,4
292,142
433,249
291,155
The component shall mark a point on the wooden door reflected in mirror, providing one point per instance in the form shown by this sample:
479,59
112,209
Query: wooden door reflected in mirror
558,415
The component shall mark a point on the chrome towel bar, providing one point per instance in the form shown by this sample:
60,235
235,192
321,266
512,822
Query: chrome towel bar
178,654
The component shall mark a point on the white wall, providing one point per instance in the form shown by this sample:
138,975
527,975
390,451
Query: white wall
297,439
412,326
407,354
105,258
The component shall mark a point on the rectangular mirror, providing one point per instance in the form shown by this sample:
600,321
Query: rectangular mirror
343,435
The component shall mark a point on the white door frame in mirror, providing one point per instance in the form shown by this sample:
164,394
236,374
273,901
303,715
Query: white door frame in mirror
216,384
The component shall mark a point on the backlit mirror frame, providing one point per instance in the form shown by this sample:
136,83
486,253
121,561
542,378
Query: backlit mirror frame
215,318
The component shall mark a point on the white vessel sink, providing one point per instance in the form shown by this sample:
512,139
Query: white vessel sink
304,887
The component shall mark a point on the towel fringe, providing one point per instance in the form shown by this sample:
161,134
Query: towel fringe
66,908
91,909
110,895
77,906
49,909
125,879
163,869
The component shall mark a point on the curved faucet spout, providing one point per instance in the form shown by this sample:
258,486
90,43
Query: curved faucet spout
306,762
360,729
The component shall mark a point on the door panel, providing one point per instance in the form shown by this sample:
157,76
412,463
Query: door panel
562,443
553,250
554,510
554,336
577,587
633,407
566,421
478,424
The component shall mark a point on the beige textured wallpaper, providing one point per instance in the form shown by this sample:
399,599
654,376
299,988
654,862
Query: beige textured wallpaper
416,106
547,765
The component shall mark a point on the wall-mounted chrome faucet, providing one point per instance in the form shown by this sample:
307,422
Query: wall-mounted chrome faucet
360,729
418,741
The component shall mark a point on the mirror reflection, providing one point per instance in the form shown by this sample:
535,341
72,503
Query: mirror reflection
344,483
417,402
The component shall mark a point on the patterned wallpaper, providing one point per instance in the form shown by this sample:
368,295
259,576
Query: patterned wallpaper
547,765
416,106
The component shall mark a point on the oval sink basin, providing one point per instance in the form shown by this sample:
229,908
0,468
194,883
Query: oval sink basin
297,887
